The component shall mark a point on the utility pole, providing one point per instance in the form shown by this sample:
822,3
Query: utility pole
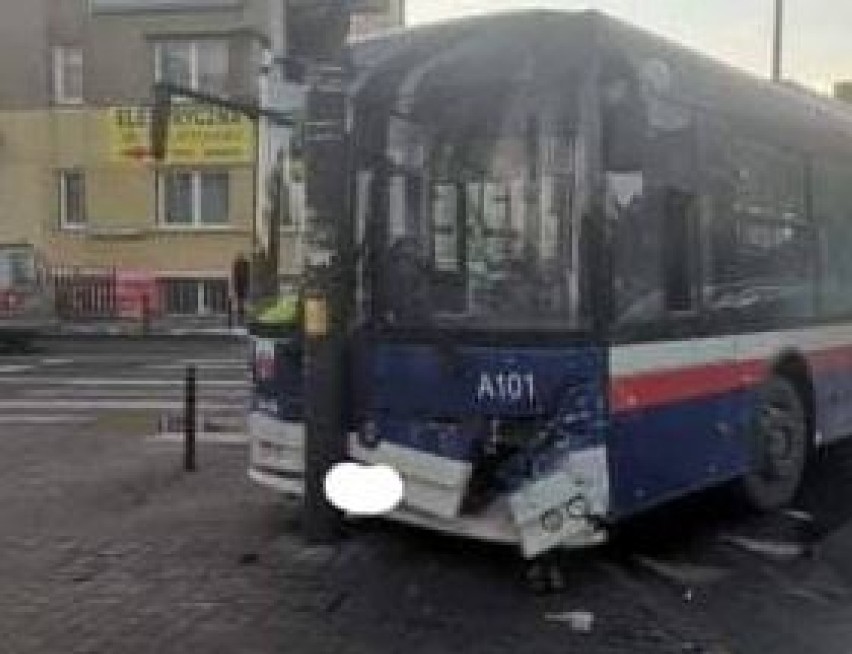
328,289
778,42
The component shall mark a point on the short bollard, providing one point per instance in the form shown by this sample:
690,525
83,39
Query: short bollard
146,314
190,388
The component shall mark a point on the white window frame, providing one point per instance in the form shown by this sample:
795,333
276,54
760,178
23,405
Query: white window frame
63,200
61,54
197,224
203,306
194,69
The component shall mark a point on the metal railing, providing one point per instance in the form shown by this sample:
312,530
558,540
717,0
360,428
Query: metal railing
85,295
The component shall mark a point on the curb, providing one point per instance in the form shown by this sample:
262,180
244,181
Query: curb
119,333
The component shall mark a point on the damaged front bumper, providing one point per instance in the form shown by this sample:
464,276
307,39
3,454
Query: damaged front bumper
562,510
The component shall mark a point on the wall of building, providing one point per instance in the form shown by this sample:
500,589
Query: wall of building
124,227
39,138
120,51
25,183
24,56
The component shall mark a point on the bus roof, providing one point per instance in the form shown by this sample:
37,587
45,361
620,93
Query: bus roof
460,51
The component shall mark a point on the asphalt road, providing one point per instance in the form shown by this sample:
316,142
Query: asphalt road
107,546
78,381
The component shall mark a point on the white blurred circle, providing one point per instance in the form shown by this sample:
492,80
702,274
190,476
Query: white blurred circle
364,490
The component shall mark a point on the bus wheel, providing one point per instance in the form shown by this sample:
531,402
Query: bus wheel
779,447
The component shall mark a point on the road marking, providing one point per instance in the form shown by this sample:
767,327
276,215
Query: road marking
110,405
120,381
128,393
243,366
44,420
7,369
56,362
119,359
204,437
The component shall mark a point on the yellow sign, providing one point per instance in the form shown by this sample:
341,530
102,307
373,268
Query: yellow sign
197,135
316,317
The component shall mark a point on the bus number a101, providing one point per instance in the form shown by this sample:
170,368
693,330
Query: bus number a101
506,387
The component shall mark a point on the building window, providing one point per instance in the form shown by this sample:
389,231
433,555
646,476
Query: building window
72,199
68,75
195,297
192,198
201,64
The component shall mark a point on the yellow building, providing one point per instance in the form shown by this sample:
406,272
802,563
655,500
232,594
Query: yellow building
76,176
181,223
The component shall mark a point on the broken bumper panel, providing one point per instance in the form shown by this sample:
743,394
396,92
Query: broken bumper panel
549,514
556,512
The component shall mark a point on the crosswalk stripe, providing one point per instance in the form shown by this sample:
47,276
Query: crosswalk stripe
118,381
235,438
45,391
41,419
131,359
200,366
56,362
12,368
112,405
85,392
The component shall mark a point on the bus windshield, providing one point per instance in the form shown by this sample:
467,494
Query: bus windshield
477,229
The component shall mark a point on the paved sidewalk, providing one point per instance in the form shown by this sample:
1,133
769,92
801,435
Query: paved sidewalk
108,547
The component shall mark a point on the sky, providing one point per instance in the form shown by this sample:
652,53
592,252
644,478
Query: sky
818,33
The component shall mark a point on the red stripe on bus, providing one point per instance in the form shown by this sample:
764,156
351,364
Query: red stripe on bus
837,358
667,387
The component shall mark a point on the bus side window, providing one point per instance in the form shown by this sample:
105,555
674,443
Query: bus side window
763,260
832,197
679,250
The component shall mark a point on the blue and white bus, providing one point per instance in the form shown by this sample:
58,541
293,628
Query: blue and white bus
597,272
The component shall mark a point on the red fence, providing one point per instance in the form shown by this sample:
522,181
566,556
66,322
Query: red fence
111,293
85,295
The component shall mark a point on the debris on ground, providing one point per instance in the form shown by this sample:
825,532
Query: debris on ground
682,573
777,550
580,621
801,516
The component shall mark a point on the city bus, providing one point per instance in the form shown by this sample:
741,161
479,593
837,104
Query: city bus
597,271
26,296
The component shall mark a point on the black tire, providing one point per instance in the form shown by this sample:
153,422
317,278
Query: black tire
778,444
